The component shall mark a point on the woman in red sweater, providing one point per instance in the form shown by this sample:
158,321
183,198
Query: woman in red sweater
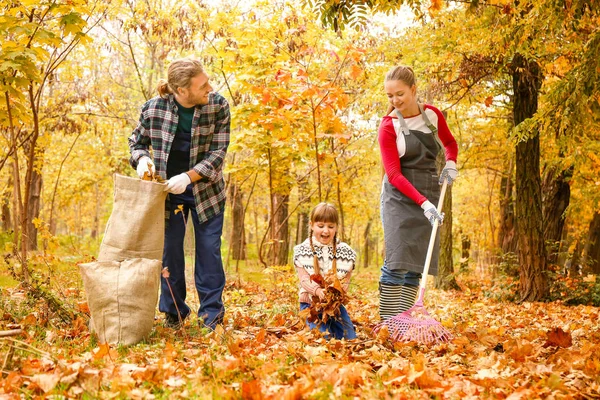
410,137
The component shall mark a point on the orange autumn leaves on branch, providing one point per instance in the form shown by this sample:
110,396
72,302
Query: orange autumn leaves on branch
329,305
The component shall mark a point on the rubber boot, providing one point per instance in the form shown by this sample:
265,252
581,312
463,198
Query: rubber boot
389,296
408,296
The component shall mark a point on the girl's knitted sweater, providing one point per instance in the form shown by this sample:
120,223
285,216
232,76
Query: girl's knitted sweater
303,261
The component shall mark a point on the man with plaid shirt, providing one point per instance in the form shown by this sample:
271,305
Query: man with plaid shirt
187,126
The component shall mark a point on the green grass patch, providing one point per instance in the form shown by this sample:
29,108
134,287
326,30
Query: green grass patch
6,280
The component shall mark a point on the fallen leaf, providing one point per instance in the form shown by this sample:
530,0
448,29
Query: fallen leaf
558,337
102,351
175,381
46,382
29,320
82,306
251,390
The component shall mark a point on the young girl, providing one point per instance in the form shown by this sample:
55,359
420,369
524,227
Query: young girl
409,137
320,254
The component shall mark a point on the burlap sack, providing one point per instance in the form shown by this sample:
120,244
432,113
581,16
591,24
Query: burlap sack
136,227
122,298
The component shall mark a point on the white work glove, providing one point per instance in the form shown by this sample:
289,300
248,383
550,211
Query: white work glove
178,183
145,164
449,172
431,213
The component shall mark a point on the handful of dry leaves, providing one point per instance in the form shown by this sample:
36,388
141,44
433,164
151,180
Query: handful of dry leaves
329,306
152,176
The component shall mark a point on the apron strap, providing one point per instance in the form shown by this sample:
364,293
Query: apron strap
432,127
403,127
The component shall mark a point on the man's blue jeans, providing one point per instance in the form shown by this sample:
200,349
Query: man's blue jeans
209,275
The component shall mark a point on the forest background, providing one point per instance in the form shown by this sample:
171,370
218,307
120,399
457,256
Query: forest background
519,84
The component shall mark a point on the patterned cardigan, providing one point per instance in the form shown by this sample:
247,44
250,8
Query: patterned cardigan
303,261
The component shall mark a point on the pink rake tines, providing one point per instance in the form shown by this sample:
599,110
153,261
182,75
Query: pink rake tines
415,324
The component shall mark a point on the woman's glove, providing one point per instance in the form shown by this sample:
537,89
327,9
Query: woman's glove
431,213
449,172
145,165
178,183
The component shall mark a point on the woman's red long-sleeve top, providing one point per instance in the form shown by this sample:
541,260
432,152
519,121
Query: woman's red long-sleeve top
390,154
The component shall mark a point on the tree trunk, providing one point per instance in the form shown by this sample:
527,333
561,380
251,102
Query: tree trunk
6,216
507,238
16,206
533,284
33,210
574,263
338,186
96,226
302,231
566,240
465,251
367,242
556,195
591,251
445,278
280,233
238,241
303,214
17,199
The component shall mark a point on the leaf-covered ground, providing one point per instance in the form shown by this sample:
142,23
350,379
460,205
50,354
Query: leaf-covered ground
500,350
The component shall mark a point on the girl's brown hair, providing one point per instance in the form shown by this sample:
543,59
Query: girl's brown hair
400,73
324,212
179,75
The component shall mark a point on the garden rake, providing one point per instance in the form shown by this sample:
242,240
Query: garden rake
415,324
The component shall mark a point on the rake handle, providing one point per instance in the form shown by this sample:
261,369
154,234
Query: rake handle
431,245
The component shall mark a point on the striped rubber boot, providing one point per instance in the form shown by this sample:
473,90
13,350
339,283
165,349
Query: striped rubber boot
408,296
389,296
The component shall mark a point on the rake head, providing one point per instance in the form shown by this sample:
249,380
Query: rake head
415,325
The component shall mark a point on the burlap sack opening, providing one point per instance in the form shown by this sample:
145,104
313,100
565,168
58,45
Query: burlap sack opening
122,298
136,227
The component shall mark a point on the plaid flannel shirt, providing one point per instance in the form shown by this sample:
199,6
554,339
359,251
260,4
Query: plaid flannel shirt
210,138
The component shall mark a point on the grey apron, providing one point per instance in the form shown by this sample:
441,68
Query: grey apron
406,230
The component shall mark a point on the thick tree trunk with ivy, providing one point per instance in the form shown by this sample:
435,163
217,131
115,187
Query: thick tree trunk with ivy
445,277
591,251
533,285
556,196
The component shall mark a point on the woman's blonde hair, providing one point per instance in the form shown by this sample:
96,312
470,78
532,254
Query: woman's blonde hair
324,212
400,73
179,75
